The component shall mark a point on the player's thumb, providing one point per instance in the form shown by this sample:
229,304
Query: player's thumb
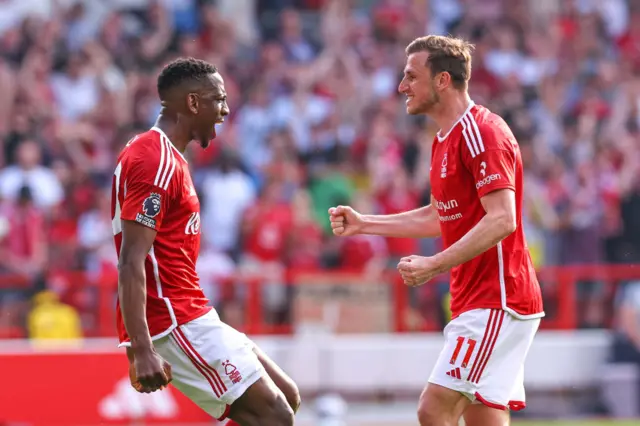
167,371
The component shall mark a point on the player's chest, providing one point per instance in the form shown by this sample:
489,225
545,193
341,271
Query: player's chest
186,205
448,175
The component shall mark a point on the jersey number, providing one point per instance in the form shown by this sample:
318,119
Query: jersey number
116,224
471,345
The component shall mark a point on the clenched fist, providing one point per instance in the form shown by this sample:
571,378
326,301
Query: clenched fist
417,270
345,221
148,372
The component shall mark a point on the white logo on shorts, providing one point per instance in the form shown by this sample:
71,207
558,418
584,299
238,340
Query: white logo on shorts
126,403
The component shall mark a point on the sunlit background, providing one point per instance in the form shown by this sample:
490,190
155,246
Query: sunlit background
315,121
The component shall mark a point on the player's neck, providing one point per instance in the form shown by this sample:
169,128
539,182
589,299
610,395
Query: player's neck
179,137
451,110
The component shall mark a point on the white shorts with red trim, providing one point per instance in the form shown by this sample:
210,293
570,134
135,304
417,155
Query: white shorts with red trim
212,363
484,355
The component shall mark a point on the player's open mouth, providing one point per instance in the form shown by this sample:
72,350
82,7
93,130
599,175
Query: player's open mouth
409,98
213,130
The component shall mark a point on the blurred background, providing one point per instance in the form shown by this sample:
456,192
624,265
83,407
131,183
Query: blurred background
315,121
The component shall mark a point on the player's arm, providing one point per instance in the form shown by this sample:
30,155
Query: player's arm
146,199
137,240
418,223
497,224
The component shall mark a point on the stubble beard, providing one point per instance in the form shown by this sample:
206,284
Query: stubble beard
427,106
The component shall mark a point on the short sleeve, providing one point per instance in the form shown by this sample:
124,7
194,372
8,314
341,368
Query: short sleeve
490,155
146,196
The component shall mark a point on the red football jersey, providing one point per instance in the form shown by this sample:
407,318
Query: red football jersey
480,155
152,186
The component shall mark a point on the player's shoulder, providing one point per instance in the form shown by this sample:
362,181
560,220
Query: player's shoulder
143,146
150,156
492,128
151,150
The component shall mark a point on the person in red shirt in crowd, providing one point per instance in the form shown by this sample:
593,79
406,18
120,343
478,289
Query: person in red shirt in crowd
266,226
305,239
23,254
476,206
363,253
163,317
396,197
265,232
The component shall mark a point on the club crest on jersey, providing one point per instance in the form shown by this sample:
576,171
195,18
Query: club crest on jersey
151,205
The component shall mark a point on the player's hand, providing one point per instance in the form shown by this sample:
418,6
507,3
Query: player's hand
149,372
345,221
417,270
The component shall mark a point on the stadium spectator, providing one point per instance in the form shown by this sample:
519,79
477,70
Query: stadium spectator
312,91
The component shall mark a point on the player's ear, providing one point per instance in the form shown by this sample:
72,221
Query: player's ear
193,103
443,80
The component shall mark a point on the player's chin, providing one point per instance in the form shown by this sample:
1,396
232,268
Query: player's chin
412,110
417,109
204,143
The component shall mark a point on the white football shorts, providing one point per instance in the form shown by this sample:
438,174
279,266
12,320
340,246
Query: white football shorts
212,363
483,357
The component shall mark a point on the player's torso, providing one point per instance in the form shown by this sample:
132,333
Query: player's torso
180,230
453,187
459,210
502,275
174,295
178,237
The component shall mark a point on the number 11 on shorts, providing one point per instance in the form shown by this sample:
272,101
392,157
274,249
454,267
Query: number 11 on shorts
471,345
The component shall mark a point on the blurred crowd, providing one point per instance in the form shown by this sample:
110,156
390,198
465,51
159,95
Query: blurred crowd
315,121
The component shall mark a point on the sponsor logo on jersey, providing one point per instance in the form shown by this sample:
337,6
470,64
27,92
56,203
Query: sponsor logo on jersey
483,168
446,205
449,218
488,180
193,224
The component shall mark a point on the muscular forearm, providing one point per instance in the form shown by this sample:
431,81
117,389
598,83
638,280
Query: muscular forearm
486,234
132,293
418,223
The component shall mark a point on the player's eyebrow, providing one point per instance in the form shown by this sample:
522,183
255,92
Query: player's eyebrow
214,93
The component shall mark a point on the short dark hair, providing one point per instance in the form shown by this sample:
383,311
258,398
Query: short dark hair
181,70
446,54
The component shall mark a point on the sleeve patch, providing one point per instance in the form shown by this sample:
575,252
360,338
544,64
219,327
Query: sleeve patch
151,205
150,209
